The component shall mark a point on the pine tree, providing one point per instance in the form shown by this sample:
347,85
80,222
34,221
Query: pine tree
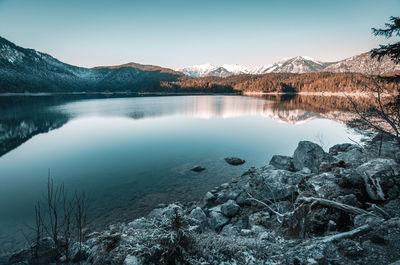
391,50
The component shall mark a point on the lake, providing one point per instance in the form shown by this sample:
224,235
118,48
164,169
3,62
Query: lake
129,154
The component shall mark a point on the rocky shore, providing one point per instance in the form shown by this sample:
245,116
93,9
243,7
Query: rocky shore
340,207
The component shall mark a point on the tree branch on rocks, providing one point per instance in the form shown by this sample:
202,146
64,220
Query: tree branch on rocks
336,205
347,234
268,207
378,209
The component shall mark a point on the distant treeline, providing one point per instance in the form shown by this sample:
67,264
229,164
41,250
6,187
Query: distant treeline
284,82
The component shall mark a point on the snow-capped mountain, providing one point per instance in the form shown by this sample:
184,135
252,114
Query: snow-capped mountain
299,64
362,63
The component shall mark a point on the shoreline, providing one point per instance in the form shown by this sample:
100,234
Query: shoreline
243,93
117,94
266,197
325,94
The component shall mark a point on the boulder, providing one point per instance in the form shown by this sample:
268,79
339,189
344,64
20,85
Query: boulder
198,214
323,185
216,219
208,200
339,148
353,157
273,184
234,161
168,212
230,208
282,162
309,155
379,177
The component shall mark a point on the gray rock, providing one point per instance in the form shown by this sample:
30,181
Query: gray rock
168,211
230,208
353,157
198,214
282,162
234,161
378,175
216,219
339,148
273,184
308,154
208,200
325,185
229,230
198,168
242,199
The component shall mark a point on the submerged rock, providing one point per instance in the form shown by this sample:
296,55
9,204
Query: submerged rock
234,161
198,169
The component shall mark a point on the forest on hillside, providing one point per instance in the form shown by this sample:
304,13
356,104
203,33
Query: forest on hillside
284,82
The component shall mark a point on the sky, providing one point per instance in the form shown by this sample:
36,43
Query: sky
179,33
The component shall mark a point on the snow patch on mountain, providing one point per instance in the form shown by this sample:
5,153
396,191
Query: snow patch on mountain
299,64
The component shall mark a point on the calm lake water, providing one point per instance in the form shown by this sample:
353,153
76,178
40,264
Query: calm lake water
130,154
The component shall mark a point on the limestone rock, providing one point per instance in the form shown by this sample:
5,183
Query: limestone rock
308,154
230,208
282,162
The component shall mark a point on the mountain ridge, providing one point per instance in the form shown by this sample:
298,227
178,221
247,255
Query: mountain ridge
362,63
27,70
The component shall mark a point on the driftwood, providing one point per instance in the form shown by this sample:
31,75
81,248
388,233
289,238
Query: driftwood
337,205
347,234
266,205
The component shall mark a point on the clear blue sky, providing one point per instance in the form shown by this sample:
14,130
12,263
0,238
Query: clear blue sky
180,33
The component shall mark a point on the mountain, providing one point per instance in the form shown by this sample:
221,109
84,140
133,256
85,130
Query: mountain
27,70
362,63
143,67
299,64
